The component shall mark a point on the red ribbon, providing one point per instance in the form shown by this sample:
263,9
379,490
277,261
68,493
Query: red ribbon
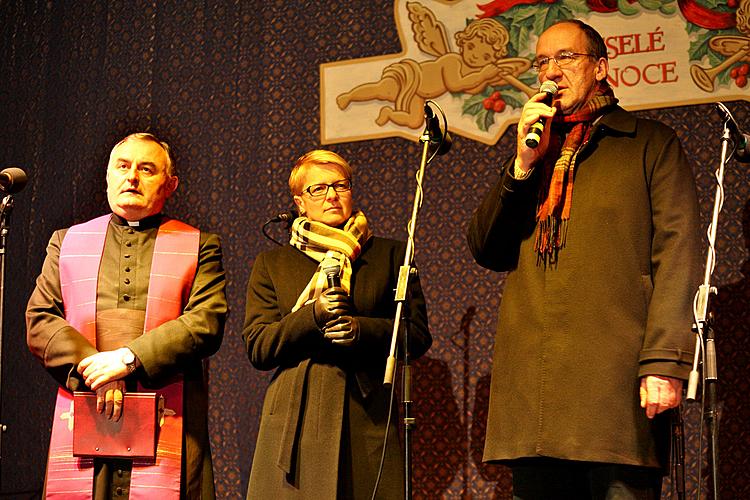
705,17
604,6
497,7
691,10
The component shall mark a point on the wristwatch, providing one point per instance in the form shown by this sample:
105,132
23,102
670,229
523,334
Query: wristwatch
128,358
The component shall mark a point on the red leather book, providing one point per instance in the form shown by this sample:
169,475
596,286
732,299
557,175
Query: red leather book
133,436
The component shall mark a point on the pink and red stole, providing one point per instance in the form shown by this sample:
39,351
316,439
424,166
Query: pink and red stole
173,271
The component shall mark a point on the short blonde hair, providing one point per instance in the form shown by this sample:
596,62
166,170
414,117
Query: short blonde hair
316,157
147,136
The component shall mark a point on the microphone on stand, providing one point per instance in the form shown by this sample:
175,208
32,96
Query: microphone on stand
741,139
12,180
438,139
287,217
536,130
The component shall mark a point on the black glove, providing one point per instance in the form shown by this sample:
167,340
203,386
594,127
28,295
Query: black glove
342,331
331,304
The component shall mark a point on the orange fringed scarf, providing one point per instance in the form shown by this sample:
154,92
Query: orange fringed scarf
556,190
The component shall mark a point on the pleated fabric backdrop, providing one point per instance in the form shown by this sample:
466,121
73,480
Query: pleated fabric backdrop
234,87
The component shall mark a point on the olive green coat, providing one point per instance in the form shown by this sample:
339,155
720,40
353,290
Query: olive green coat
325,401
574,339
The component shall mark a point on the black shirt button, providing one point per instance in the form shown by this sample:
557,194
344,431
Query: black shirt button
127,269
118,491
127,255
128,244
126,298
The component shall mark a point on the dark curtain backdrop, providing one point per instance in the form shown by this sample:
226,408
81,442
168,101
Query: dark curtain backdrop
234,87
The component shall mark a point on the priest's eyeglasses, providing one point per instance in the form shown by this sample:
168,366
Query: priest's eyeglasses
317,191
562,59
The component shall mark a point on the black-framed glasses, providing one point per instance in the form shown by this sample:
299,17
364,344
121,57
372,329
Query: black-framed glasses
562,59
321,190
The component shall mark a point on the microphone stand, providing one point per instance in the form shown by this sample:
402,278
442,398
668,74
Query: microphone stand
704,342
6,207
405,271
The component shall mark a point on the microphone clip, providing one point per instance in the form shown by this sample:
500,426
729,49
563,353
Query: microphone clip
439,141
287,217
741,140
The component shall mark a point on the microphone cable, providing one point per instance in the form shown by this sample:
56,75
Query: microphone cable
287,217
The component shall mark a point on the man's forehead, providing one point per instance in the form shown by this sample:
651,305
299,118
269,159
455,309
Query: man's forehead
141,147
560,37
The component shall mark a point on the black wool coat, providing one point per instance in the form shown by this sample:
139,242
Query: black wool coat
326,401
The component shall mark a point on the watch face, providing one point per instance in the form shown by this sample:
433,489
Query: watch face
128,358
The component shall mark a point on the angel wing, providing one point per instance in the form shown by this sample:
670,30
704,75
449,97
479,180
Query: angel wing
429,33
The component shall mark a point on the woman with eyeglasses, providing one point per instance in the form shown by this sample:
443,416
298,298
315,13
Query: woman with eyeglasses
320,312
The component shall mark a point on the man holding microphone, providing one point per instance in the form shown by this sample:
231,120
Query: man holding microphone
596,222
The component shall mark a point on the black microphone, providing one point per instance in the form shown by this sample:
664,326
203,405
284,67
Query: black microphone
12,180
437,139
332,275
536,130
741,140
287,216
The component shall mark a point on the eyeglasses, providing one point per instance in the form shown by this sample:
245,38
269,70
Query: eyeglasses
320,190
562,59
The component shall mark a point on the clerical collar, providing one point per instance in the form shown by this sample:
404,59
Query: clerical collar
145,223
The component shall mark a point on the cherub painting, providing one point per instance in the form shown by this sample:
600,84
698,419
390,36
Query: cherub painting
479,62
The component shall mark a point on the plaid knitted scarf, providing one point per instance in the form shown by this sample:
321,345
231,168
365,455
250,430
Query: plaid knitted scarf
330,246
556,190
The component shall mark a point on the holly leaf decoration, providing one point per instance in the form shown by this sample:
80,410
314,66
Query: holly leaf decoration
474,104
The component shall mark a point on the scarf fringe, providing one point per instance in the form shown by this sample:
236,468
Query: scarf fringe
551,237
556,190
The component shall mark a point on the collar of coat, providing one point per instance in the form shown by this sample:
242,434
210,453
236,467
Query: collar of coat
618,120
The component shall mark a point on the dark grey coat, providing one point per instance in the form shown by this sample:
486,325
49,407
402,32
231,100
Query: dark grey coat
303,427
574,339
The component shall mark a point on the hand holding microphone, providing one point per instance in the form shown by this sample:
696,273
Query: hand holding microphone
536,112
334,301
534,135
338,327
329,305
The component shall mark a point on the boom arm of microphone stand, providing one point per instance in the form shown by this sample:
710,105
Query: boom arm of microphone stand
701,300
406,269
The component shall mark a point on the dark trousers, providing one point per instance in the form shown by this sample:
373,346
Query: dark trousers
553,479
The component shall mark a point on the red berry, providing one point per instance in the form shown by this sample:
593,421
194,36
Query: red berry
498,106
741,81
732,4
496,95
487,103
743,70
735,71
